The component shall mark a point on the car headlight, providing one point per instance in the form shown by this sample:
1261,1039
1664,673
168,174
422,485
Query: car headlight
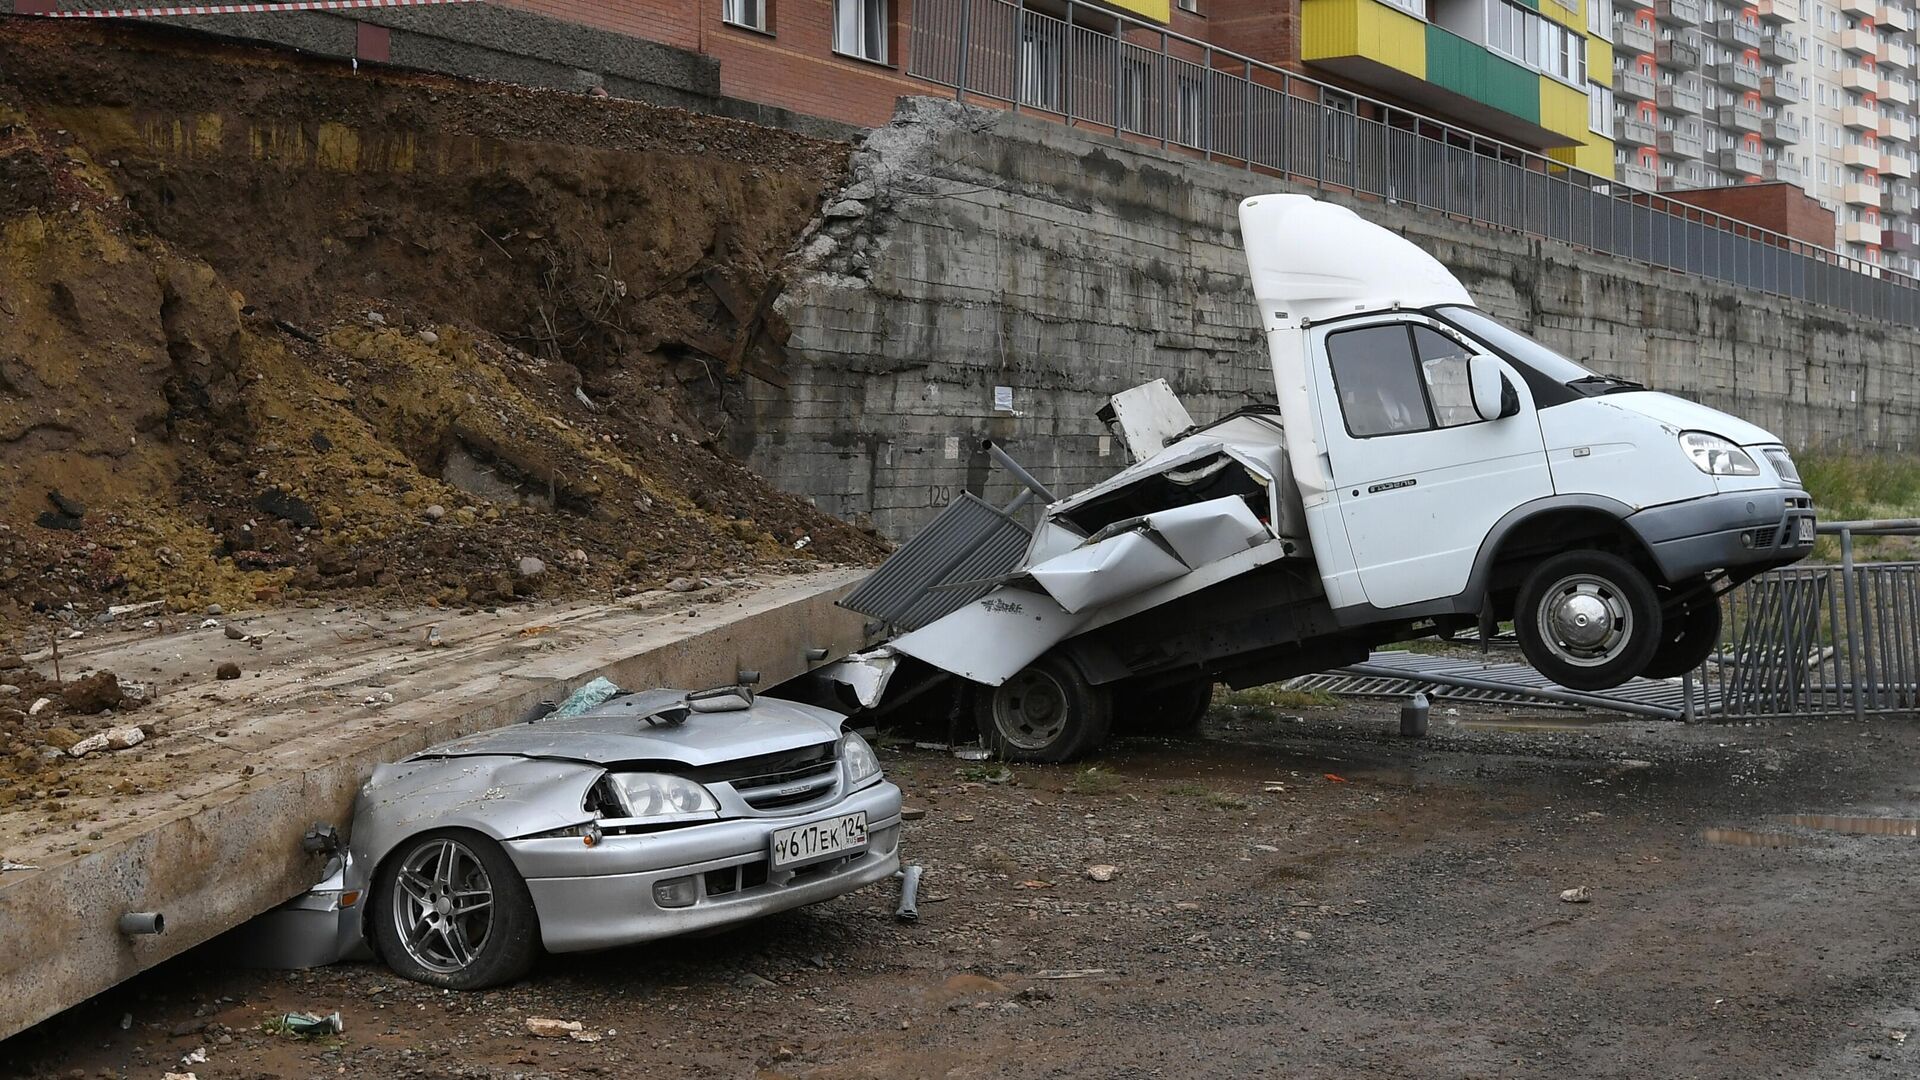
1783,465
1716,456
858,759
661,796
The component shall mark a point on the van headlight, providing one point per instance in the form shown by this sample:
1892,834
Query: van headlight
1716,456
858,759
660,796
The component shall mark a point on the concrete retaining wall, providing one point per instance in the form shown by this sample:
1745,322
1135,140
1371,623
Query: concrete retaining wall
983,249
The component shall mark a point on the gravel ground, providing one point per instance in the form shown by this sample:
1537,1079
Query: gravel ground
1292,896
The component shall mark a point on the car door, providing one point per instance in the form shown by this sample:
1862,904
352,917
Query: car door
1419,476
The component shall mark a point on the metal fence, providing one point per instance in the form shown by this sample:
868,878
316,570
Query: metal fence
1096,67
1809,641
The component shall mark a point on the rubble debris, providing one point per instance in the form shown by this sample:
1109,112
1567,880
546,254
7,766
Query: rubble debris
118,738
305,1025
96,693
1102,872
1578,895
228,670
542,1027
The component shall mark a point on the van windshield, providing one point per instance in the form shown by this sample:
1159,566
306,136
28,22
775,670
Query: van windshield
1522,349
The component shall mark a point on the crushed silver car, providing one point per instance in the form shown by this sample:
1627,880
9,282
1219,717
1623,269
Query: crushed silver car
649,815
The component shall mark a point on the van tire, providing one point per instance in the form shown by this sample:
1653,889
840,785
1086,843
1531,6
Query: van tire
1173,711
1047,712
1588,620
1692,633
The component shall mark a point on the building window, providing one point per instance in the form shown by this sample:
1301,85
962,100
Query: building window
1416,8
860,29
1190,5
1600,18
1600,110
1040,70
1135,79
751,14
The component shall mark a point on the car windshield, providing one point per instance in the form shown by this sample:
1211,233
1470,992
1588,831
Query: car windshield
1523,349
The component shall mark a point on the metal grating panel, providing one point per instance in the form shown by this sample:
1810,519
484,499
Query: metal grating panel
970,542
1397,674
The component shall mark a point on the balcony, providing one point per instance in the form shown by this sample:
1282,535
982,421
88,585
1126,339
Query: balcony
1779,48
1896,242
1682,52
1859,42
1779,12
1859,80
1737,160
1894,17
1865,9
1737,33
1780,129
1897,203
1737,76
1640,176
1678,98
1861,194
1896,166
1894,129
1781,90
1675,144
1633,37
1860,232
1860,157
1893,54
1677,12
1895,92
1860,118
1690,174
1782,171
1740,117
1632,131
1632,86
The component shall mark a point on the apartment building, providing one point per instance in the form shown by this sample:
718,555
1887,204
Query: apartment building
1815,94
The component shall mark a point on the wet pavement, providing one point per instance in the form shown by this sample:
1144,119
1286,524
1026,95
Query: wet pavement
1292,896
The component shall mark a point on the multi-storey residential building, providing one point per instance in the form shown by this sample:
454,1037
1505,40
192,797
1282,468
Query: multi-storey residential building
1816,94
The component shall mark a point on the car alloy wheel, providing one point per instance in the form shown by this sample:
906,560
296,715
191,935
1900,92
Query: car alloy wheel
443,905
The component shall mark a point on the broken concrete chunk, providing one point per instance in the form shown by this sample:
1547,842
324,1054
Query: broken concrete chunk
1579,895
120,738
531,567
542,1027
845,208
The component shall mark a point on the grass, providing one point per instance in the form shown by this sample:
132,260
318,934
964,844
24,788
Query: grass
1094,780
1861,487
1187,789
1223,800
1274,696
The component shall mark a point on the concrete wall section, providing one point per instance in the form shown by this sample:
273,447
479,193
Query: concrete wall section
979,249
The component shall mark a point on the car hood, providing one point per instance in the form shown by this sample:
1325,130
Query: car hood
1683,415
618,731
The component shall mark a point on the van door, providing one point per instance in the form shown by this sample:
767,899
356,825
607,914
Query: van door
1419,476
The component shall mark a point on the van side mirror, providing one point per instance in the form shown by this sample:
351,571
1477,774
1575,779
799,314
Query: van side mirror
1493,394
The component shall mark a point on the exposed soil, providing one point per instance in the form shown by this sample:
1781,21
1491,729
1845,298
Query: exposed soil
274,330
1308,897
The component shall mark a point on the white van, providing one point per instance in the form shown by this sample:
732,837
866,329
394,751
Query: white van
1425,469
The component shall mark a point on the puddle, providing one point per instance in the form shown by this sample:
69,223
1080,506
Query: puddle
1856,826
1537,723
1752,838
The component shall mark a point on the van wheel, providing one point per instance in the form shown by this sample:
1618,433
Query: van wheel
1168,711
1692,633
1588,620
1047,712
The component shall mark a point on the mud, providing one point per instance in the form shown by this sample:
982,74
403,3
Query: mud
274,331
1299,896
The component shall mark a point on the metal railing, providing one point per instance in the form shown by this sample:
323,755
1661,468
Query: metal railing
1141,80
1813,641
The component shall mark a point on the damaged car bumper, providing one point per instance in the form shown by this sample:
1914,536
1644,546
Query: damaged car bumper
629,889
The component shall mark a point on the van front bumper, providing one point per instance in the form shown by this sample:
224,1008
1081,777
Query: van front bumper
1735,530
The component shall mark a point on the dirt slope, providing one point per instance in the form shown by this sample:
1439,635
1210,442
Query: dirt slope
271,328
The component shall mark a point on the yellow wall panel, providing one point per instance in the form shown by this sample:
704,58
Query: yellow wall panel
1385,35
1157,10
1563,109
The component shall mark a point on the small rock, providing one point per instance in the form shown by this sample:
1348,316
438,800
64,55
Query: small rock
751,981
216,609
681,584
846,208
577,557
234,633
429,337
1578,895
374,318
228,670
72,508
531,567
8,690
1303,935
436,512
119,738
912,813
1102,872
38,706
542,1027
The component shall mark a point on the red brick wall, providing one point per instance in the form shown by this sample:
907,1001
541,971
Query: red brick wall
1782,208
1267,30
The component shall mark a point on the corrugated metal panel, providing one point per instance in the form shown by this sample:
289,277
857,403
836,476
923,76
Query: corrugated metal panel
970,541
1397,674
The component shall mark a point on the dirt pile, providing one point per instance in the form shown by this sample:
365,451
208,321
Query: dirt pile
273,329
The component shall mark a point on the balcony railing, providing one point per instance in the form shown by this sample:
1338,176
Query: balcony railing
1860,232
1786,172
1632,86
1779,12
1893,54
1859,80
1737,160
1860,194
1682,53
1738,33
1633,132
1779,48
1897,17
1780,129
1860,118
1896,166
1679,98
1899,203
1782,90
1895,92
1736,75
1679,145
1859,41
1859,157
1632,36
1136,79
1677,12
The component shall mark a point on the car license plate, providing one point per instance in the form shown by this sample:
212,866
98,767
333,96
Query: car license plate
819,840
1803,531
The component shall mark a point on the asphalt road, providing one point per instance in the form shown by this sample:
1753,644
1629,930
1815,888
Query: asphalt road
1309,897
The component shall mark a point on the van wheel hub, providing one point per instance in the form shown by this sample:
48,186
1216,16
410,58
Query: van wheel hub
1030,709
1587,620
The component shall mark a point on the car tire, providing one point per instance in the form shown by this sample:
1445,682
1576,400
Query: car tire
1692,632
1173,711
1588,620
1046,712
420,929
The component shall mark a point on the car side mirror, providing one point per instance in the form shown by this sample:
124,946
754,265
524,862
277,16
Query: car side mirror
1493,394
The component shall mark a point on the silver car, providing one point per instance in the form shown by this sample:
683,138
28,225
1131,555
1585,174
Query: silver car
650,815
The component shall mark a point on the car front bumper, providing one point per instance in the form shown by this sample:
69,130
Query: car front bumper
601,896
1735,530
